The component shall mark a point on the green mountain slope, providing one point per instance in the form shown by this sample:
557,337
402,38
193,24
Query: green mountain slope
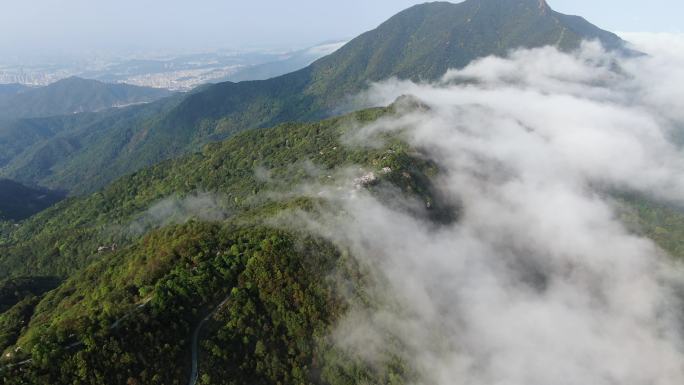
74,95
126,311
75,152
421,42
66,236
18,202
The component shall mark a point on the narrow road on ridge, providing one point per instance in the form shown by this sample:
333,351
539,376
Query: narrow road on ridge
194,372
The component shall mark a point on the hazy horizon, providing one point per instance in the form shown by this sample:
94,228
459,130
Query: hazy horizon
80,27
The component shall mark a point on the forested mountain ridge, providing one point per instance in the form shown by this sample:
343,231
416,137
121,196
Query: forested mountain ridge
62,238
421,42
73,95
74,152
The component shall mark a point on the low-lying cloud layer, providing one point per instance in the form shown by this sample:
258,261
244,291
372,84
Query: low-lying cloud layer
174,210
537,283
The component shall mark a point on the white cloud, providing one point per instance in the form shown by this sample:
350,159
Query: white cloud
326,49
657,43
175,210
537,283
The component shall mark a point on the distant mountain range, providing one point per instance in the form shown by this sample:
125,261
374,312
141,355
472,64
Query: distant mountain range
176,72
70,96
421,42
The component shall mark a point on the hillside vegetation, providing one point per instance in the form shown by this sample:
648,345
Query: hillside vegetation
128,311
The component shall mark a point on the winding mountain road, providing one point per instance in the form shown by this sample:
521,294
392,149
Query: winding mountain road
194,372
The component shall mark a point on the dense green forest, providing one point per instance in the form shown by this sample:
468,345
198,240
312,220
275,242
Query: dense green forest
66,237
130,319
75,149
136,301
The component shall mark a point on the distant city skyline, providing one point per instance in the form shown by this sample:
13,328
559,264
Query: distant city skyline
72,27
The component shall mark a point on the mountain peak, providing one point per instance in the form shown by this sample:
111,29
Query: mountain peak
541,4
424,41
74,80
505,6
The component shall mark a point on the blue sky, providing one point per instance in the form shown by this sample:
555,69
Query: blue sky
30,26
